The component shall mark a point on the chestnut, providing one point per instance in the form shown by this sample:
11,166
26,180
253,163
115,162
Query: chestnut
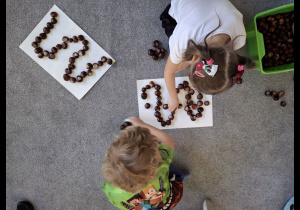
158,103
95,65
100,63
147,105
171,117
79,78
188,97
157,51
40,55
168,122
147,86
157,93
157,114
54,49
283,103
200,109
187,108
109,61
46,30
158,98
53,14
85,42
190,102
190,112
154,57
198,115
72,79
65,39
85,48
194,106
150,52
103,59
58,46
156,108
180,86
50,25
83,74
89,72
34,44
276,98
239,81
66,77
206,103
152,84
156,43
185,83
163,123
191,91
53,20
75,39
179,106
38,50
71,66
46,53
187,88
163,50
157,87
68,71
281,94
51,55
144,96
89,66
71,59
273,93
75,55
144,90
43,36
81,52
81,37
193,117
165,106
199,103
177,90
64,45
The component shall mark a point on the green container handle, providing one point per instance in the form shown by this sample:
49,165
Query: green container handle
261,48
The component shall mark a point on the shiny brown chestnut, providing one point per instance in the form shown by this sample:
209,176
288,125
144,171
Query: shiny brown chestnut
191,91
68,71
81,37
65,39
38,50
159,98
53,14
46,53
190,102
85,48
193,117
157,114
179,106
158,103
79,78
103,59
157,108
154,57
159,119
83,74
72,60
157,93
165,106
152,84
144,96
186,88
185,83
171,117
46,30
95,66
156,43
109,61
188,97
54,49
198,115
168,122
64,45
70,40
53,20
89,72
199,103
100,63
147,86
283,103
163,123
71,66
206,103
180,86
147,105
200,109
190,112
199,96
281,94
75,54
66,77
58,46
194,106
81,52
50,25
40,55
89,66
161,55
75,39
34,44
38,39
150,52
157,87
187,108
43,36
85,42
72,79
144,89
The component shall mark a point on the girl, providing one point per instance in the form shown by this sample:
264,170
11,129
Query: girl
204,35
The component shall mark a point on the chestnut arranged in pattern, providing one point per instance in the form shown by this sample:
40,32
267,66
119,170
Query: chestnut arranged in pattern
158,52
64,45
189,107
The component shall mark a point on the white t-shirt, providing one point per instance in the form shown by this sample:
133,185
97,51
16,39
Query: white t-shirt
197,18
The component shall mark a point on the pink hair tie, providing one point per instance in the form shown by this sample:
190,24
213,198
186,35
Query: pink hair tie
209,62
240,67
199,74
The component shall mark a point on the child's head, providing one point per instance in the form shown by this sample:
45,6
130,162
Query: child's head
227,61
132,159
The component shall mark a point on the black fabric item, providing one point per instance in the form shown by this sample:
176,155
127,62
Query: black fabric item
168,23
25,205
292,207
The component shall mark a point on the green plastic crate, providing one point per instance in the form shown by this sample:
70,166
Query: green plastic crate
256,42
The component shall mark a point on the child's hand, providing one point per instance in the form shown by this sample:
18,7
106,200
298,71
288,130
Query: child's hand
135,121
173,103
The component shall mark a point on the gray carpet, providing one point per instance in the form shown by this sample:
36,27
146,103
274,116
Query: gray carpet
55,143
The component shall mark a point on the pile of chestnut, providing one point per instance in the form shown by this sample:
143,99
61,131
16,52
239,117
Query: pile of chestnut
276,96
278,34
157,52
189,107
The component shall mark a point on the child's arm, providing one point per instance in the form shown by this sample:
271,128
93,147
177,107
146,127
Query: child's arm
169,75
162,136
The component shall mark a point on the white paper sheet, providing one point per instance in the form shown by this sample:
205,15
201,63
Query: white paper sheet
56,67
181,120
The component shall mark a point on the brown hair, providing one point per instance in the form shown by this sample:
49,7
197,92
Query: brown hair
227,61
132,159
